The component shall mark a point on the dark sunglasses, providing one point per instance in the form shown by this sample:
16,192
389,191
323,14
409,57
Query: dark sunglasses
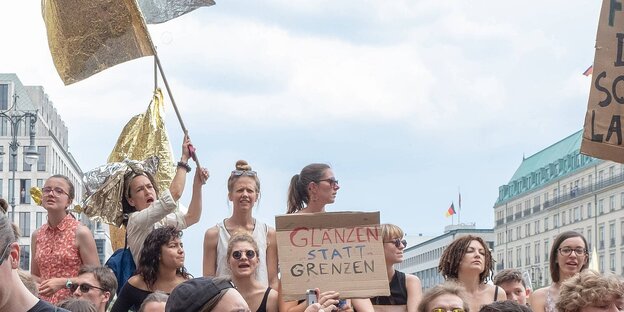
331,181
238,173
238,254
397,242
84,288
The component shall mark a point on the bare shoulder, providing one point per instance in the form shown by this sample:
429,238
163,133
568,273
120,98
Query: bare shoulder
212,234
540,293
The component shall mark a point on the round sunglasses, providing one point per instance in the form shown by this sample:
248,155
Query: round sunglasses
397,242
238,254
84,288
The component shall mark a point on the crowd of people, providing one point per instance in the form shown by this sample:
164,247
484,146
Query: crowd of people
240,259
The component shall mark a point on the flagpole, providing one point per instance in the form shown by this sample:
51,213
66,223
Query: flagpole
175,107
459,212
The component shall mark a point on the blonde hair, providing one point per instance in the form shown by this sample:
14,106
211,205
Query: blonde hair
589,288
446,288
390,231
242,165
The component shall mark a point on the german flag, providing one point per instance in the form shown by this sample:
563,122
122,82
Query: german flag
451,211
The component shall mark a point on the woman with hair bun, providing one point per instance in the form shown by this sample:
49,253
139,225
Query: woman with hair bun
243,191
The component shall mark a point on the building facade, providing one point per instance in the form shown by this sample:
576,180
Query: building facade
556,190
423,258
51,141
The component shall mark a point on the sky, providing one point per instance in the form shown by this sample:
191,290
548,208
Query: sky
410,102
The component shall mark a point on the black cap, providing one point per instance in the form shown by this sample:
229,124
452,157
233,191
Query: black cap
192,295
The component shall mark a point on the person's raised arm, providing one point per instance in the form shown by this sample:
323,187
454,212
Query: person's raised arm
195,207
177,184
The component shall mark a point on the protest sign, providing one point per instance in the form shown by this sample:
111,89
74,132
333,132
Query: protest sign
602,134
341,251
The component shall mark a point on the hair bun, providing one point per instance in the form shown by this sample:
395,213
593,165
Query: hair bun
243,165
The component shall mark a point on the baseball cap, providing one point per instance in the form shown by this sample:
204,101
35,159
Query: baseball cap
192,295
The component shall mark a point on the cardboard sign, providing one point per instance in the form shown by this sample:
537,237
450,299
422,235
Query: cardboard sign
341,251
602,134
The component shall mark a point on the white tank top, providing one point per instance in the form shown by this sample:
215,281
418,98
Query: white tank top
259,234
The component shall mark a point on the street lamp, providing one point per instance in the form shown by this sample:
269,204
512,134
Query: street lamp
14,117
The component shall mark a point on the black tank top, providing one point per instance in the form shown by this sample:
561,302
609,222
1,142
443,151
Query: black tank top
398,292
262,307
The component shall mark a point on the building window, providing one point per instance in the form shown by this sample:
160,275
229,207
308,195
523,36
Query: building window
612,203
537,227
546,250
577,214
563,218
612,235
4,96
41,162
612,262
25,257
601,263
40,183
527,229
519,256
24,223
39,219
556,221
589,210
545,224
527,254
601,237
25,165
25,191
537,253
600,206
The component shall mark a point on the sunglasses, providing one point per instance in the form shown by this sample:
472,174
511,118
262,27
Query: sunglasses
331,181
84,288
238,254
446,310
238,173
397,242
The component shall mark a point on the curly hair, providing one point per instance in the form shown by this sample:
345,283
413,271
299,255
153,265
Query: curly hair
589,288
298,188
149,262
453,254
446,288
242,165
505,306
554,251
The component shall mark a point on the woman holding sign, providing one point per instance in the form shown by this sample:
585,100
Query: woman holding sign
243,191
309,192
405,289
468,261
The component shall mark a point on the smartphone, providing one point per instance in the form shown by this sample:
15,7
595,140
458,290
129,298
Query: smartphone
311,296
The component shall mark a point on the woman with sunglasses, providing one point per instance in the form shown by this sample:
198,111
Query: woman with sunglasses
243,263
161,267
243,191
146,207
309,192
568,256
61,245
405,289
468,261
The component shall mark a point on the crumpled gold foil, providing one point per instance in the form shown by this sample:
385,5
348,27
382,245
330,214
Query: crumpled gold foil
36,195
160,11
87,36
104,188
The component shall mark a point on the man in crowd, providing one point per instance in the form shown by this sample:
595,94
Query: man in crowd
96,284
514,285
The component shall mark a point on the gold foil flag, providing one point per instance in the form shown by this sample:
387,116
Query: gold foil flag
89,36
160,11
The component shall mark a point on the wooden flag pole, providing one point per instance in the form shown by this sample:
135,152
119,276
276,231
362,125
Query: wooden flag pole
175,107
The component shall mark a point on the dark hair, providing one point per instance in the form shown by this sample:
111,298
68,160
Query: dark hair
78,305
509,275
104,276
149,262
242,165
298,188
505,306
128,177
446,288
72,191
7,236
4,206
554,266
453,254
